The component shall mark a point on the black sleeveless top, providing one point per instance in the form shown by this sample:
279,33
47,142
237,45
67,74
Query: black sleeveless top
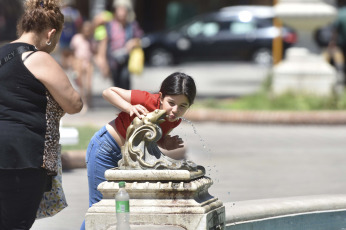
24,105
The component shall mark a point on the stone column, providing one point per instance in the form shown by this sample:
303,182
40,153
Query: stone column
304,69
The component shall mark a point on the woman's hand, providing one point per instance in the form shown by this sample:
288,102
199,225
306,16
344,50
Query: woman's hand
132,43
139,110
171,142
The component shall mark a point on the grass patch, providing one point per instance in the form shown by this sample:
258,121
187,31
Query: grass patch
290,101
85,134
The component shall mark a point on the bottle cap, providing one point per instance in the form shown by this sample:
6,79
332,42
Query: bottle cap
122,184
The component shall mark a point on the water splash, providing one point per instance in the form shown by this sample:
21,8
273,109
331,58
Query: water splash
199,136
209,169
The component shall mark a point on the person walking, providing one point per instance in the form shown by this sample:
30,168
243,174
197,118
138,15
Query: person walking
83,47
123,34
176,95
34,94
73,22
338,39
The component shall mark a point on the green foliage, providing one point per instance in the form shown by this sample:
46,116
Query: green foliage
85,134
290,101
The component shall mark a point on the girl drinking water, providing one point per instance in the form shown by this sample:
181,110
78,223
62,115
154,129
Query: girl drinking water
176,95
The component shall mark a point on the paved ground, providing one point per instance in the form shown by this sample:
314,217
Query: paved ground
245,161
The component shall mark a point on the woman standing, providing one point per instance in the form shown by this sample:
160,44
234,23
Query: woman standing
123,34
34,94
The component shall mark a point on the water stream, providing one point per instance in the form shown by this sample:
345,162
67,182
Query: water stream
211,169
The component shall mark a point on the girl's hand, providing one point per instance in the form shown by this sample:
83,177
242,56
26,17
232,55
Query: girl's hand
172,142
139,110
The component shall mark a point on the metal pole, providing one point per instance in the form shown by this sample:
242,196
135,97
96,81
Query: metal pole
277,50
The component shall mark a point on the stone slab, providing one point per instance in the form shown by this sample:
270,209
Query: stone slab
116,174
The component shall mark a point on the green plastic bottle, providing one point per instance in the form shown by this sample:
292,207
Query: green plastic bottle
122,207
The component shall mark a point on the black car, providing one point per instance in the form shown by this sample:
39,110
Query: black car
239,32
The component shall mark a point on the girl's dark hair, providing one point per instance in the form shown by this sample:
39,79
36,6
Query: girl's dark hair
40,15
179,83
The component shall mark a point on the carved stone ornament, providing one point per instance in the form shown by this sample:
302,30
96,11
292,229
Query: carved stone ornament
140,150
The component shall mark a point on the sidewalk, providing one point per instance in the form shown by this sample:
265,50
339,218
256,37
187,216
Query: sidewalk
245,162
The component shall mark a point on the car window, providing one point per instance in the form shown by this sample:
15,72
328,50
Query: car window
264,22
195,29
210,29
242,27
207,29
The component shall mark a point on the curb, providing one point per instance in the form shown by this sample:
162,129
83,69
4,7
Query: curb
274,209
269,117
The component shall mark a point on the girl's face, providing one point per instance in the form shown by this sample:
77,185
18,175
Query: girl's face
175,106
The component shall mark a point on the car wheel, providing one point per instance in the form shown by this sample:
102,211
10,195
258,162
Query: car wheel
160,57
263,56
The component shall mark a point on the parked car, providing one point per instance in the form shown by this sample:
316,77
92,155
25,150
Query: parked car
238,32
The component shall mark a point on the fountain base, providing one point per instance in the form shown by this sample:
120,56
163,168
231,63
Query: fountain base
304,72
159,197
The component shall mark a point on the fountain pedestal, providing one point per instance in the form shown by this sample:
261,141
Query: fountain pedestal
156,199
304,69
163,191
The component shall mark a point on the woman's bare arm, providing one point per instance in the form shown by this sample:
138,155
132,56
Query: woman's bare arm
48,71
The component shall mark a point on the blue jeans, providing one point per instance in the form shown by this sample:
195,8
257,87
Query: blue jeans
103,153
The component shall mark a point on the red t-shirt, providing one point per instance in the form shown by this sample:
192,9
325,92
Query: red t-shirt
149,101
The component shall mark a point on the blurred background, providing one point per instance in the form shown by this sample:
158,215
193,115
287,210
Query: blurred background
254,142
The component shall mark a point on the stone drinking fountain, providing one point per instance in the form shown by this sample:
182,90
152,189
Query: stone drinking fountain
304,69
163,191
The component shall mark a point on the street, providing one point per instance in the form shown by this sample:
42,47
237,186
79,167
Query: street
245,161
217,79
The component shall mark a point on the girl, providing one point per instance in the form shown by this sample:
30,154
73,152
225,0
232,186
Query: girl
176,95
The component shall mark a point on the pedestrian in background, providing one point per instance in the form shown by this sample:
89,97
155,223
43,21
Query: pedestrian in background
83,47
34,94
339,38
100,21
72,23
123,34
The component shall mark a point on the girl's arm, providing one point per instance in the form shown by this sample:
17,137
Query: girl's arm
172,147
171,142
121,98
48,71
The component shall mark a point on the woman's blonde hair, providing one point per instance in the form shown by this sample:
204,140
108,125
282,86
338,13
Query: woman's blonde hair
40,15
